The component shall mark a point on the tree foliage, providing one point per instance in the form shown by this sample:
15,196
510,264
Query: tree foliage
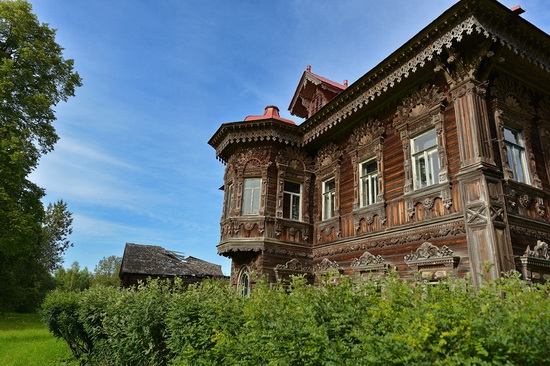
106,271
377,322
34,77
73,279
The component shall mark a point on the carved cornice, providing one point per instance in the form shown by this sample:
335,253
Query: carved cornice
288,252
402,237
530,231
492,25
239,246
250,132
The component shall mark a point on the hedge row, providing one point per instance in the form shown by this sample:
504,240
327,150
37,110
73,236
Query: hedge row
378,322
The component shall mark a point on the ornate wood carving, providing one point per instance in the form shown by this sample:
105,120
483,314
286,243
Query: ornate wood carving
535,264
454,228
326,265
512,107
422,110
327,165
366,142
296,165
431,261
416,58
283,272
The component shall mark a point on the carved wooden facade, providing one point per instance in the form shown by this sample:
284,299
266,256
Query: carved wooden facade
436,161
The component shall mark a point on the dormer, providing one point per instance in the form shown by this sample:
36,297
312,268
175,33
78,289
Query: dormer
313,93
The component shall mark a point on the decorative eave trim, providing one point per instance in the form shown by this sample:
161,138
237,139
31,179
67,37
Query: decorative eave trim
247,132
356,98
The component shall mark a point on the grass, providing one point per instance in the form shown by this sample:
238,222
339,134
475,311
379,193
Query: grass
25,341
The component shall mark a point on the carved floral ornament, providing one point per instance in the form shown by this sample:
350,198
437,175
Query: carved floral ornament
429,251
367,259
253,156
419,103
326,265
365,134
328,156
294,158
512,94
293,265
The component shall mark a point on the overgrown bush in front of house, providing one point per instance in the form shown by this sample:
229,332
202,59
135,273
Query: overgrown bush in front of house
382,321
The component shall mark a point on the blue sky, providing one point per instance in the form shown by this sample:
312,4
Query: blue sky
160,77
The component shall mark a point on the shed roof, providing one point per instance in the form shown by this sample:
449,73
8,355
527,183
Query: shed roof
153,260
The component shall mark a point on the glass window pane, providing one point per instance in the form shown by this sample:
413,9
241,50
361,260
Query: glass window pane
424,141
251,196
292,187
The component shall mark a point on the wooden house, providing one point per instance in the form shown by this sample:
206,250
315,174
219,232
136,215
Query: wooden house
435,161
141,262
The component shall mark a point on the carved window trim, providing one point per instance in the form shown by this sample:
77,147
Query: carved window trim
424,154
296,166
252,163
543,113
513,110
229,200
420,112
244,281
366,143
328,200
327,165
368,193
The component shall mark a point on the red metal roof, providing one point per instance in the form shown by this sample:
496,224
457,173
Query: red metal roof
271,112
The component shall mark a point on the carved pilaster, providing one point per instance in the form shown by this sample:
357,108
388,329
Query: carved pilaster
472,122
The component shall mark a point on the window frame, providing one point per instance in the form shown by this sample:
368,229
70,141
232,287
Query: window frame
253,209
328,196
372,196
429,155
513,146
287,193
229,199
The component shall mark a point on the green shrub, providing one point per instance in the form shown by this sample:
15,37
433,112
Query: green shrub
378,322
204,323
60,313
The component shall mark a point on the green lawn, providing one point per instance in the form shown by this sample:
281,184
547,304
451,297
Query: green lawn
25,341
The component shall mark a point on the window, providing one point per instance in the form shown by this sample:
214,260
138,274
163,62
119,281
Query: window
244,282
368,183
316,104
515,149
292,200
425,160
229,203
329,190
251,196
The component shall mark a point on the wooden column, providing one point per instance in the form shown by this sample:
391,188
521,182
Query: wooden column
480,183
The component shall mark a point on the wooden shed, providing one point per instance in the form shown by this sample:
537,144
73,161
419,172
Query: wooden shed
141,262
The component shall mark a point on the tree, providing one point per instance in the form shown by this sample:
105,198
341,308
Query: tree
34,77
72,279
106,271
